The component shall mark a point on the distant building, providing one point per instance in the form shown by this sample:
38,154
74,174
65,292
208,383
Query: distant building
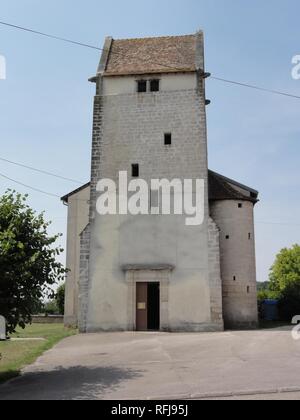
154,272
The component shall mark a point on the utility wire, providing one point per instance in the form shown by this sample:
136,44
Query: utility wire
57,196
58,38
29,186
101,49
278,223
50,36
41,171
276,92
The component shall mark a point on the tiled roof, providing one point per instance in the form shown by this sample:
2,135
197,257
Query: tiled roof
221,188
152,55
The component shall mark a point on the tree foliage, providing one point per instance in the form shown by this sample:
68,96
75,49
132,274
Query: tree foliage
28,260
261,286
285,282
60,299
267,294
50,308
286,269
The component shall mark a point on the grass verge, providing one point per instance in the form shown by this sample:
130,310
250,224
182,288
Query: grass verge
15,355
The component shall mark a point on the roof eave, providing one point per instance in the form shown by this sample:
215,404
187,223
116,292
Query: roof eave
65,198
249,199
232,181
146,72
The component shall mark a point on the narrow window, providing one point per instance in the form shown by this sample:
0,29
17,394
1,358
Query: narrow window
168,139
135,171
240,205
248,290
249,236
154,85
234,278
142,86
227,236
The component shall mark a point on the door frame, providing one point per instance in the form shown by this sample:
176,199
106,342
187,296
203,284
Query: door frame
143,306
159,275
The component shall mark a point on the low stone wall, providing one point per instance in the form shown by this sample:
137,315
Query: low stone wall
49,319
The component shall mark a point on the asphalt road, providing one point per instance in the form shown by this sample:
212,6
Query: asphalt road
229,365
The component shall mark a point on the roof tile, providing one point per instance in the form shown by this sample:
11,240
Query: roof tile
152,55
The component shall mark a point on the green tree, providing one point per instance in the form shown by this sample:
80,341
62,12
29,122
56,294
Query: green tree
286,269
267,294
50,308
285,281
28,260
261,286
60,299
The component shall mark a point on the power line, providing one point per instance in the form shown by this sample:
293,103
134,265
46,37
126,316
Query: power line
29,186
276,92
50,36
278,223
58,38
58,196
41,171
101,49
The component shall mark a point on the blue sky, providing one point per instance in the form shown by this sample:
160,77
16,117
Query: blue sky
46,101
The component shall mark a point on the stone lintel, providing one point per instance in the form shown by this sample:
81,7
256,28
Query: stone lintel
148,267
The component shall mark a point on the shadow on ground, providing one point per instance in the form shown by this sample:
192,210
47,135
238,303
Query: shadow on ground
6,376
275,325
67,383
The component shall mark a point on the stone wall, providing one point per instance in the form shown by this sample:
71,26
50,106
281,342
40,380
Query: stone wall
129,129
215,274
49,319
78,218
238,269
84,278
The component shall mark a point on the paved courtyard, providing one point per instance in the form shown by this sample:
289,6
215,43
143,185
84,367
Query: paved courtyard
257,364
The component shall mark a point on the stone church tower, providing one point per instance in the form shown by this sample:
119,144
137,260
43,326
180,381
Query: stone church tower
154,272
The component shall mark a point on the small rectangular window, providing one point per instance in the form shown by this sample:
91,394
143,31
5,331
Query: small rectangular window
135,170
240,205
248,289
227,236
249,236
154,85
142,86
168,139
234,278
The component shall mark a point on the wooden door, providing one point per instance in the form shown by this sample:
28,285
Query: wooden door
142,306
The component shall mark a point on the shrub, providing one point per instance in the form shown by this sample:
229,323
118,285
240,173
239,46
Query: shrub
289,303
50,308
